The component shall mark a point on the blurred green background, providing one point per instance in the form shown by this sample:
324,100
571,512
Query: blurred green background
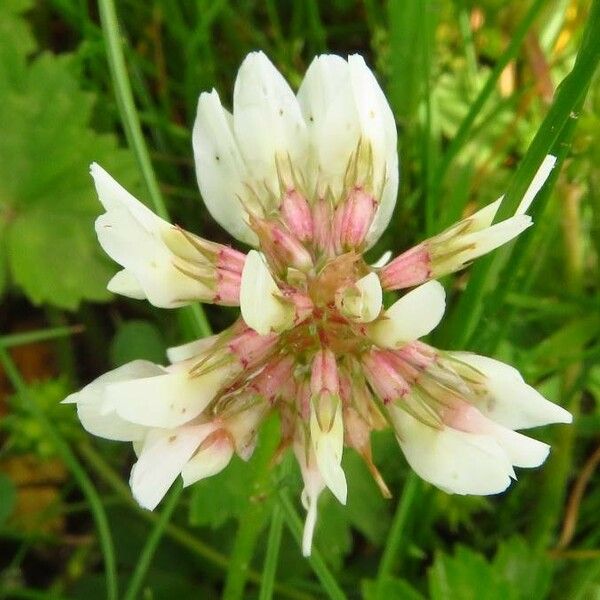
474,85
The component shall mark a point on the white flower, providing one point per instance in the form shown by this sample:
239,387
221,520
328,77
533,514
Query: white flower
310,180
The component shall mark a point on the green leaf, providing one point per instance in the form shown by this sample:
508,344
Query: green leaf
467,576
390,587
8,496
528,572
47,201
227,495
216,500
333,536
564,346
16,41
137,340
366,510
25,432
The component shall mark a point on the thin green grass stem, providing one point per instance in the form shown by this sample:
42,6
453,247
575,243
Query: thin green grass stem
391,554
67,456
272,555
193,317
462,134
178,534
133,130
252,518
465,318
143,564
294,524
39,335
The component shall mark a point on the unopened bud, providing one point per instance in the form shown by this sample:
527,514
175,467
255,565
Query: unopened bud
407,270
384,376
297,215
250,348
282,248
353,219
322,223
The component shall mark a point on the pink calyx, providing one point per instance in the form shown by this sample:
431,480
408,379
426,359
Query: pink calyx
281,247
274,379
250,348
384,376
228,287
353,219
411,268
297,215
229,259
324,376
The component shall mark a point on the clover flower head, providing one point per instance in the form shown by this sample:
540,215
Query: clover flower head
309,181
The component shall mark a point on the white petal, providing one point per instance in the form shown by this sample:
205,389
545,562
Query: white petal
114,196
191,349
328,447
484,217
220,168
378,127
455,461
163,456
208,461
260,301
372,296
97,414
327,102
511,402
167,400
313,486
413,316
383,260
387,203
148,260
536,184
362,302
125,284
522,451
267,120
492,237
311,503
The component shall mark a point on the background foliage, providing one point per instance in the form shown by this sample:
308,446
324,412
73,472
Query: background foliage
474,85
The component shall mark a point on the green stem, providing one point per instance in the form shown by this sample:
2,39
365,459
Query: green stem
193,316
391,554
292,520
428,142
558,469
143,564
467,36
72,463
125,102
461,136
39,335
178,534
513,276
272,555
465,318
133,130
253,516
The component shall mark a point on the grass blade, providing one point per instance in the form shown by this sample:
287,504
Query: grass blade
39,335
143,564
67,456
465,318
133,130
330,585
465,127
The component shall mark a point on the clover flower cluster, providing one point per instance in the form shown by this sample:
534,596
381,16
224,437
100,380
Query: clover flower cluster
309,181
